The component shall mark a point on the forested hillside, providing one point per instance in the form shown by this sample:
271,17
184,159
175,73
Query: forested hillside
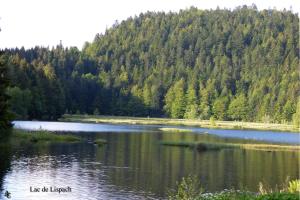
230,65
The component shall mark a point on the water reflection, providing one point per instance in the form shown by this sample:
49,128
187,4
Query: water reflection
5,159
135,166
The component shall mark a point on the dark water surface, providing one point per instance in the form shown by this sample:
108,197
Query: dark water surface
134,166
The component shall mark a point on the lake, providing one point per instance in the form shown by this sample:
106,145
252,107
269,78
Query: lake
134,166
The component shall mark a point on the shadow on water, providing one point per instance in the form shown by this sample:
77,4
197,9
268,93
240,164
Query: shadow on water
5,162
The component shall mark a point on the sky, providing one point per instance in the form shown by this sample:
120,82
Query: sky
29,23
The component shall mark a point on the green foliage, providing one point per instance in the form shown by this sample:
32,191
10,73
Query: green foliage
175,100
100,142
192,109
278,196
220,107
20,101
294,186
296,115
212,121
233,65
228,195
178,103
188,189
288,111
238,108
42,136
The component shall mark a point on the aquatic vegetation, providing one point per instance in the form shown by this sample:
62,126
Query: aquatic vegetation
42,136
190,189
204,146
179,143
100,142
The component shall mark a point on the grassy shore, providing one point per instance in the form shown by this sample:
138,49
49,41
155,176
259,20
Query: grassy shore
205,146
190,188
184,122
41,136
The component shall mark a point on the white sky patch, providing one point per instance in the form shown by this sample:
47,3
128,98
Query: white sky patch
45,22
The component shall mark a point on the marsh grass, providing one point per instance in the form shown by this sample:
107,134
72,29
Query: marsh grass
184,122
42,136
100,142
205,146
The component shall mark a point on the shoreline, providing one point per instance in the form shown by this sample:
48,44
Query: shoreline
231,125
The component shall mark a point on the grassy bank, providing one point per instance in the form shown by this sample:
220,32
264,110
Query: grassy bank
184,122
190,189
41,136
204,146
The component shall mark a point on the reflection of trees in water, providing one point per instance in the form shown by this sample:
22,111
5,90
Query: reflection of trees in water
5,159
154,168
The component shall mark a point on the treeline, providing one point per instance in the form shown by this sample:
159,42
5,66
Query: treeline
230,65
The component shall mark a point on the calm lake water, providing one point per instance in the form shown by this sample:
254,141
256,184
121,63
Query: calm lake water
134,166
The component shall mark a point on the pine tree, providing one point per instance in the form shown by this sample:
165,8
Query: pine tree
220,107
296,115
191,111
179,102
238,108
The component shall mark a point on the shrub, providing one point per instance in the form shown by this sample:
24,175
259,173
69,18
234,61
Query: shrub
188,189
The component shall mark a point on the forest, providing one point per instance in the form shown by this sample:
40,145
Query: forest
240,64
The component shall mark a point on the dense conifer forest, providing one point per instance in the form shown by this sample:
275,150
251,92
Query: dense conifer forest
240,64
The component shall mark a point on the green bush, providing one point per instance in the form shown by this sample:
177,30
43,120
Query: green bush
279,196
188,189
294,186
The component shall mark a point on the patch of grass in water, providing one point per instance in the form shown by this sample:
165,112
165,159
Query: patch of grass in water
205,146
178,144
200,146
100,142
213,146
42,136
